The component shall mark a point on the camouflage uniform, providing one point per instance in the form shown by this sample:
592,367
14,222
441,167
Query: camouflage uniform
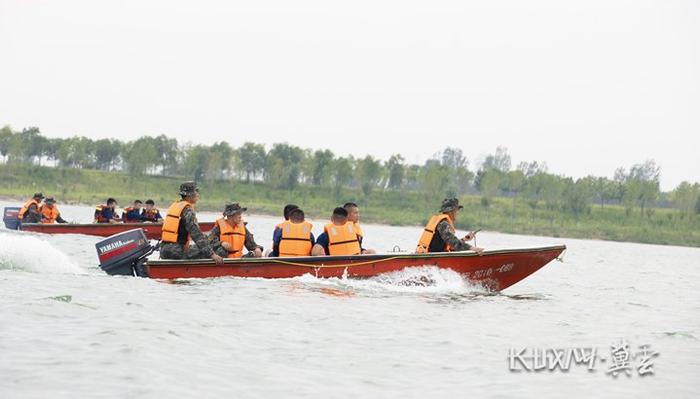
445,233
188,221
444,230
215,234
32,215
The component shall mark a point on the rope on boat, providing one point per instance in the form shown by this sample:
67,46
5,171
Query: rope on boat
322,266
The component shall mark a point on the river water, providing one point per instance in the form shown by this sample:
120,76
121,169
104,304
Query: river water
68,330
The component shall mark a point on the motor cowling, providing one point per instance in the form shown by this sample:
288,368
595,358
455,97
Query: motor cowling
124,254
10,217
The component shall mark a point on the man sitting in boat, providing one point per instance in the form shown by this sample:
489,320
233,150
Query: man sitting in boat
439,233
293,237
230,235
132,214
338,237
151,214
49,212
30,211
181,225
285,212
354,217
107,213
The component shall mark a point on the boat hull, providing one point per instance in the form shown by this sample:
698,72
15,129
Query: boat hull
152,230
496,270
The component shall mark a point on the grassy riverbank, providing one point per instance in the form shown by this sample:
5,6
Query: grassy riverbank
662,226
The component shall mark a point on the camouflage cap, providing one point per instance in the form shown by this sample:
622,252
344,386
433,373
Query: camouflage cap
38,195
50,200
232,209
188,187
450,204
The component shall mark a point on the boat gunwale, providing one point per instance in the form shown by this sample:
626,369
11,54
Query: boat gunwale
366,258
96,225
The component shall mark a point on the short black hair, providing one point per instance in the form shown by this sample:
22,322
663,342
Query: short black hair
138,202
340,212
111,201
150,202
288,209
296,214
349,205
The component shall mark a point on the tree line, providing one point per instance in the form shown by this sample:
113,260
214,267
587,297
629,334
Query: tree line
286,166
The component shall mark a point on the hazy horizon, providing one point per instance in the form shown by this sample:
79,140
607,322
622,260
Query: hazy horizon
585,87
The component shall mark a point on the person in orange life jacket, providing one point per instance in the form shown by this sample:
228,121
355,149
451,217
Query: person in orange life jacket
230,235
107,213
293,236
354,217
181,226
285,212
439,233
30,211
151,214
49,212
132,214
338,237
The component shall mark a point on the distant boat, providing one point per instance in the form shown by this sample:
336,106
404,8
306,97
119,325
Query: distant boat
125,254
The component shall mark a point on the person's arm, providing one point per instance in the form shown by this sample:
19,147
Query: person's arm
276,239
59,219
215,237
321,246
159,218
445,231
251,245
192,227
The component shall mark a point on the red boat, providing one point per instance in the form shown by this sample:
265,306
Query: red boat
152,230
495,270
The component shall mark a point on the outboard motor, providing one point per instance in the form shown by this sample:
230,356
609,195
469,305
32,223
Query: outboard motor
124,254
11,218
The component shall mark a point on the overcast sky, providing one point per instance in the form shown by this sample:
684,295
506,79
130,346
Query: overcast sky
584,86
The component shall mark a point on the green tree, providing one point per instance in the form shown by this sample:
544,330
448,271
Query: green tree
342,173
106,153
396,168
284,165
500,160
197,162
220,160
6,138
140,155
369,172
321,163
685,198
251,159
168,153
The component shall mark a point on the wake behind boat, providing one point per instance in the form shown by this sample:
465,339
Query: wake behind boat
125,254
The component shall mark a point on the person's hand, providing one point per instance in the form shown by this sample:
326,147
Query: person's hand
217,259
258,252
470,236
479,251
227,246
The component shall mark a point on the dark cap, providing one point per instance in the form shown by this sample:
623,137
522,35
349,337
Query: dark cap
232,209
188,188
50,200
450,204
38,195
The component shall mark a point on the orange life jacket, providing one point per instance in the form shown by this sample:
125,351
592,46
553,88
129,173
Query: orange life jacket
429,232
150,214
358,229
342,240
171,225
296,239
26,206
49,214
235,236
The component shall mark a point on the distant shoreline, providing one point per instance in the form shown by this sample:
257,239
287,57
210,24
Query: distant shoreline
89,187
